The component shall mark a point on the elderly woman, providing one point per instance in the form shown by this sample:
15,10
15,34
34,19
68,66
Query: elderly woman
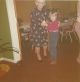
38,32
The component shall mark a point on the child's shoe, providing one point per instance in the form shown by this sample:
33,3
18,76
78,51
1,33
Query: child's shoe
53,62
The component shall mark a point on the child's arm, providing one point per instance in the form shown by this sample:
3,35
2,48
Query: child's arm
59,25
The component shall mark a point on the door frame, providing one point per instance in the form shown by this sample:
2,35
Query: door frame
12,18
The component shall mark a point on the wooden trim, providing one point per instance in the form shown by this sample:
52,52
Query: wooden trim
19,34
13,30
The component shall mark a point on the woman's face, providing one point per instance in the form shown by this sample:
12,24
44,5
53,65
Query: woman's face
53,16
40,4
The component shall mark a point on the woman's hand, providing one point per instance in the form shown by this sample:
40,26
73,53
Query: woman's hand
43,24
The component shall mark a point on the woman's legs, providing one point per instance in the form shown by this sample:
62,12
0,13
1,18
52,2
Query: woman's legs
37,51
45,50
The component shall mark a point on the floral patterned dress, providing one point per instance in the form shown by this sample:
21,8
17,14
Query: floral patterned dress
38,33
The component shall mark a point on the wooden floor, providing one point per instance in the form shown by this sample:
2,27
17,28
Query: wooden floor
30,70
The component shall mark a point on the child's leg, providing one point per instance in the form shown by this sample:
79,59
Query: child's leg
37,51
53,45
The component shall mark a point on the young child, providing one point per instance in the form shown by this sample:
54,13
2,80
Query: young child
53,29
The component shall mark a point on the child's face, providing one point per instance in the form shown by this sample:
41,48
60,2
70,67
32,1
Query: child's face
53,16
40,4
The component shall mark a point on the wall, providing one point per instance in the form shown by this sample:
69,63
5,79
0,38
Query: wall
4,30
24,7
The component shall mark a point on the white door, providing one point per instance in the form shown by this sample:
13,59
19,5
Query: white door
9,39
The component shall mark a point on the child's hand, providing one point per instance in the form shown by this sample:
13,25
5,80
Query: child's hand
59,24
44,23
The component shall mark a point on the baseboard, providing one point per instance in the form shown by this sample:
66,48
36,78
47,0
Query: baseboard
9,60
